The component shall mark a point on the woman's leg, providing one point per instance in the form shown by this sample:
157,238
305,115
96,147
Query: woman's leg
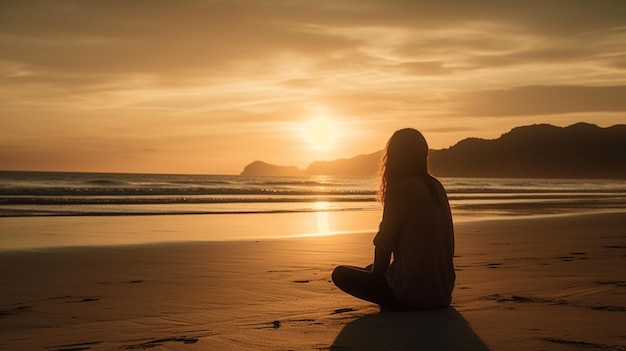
365,285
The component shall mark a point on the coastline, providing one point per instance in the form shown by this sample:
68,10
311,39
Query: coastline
552,283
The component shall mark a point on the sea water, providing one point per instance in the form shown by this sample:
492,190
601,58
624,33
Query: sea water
27,194
51,210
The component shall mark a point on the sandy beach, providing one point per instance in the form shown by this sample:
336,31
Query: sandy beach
553,283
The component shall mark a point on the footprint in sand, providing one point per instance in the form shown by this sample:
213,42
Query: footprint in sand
580,255
15,310
493,265
75,347
614,246
342,310
87,299
618,283
521,299
159,342
609,308
582,344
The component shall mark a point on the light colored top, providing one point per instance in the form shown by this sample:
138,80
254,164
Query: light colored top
420,235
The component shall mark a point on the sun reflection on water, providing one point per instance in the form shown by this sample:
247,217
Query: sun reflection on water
323,225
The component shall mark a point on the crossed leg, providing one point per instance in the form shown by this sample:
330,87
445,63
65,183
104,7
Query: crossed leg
365,285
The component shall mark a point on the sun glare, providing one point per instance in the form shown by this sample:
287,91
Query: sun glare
320,132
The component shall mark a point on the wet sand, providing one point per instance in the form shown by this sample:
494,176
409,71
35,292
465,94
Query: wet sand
554,283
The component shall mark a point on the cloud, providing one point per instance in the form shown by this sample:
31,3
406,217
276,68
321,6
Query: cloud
159,38
424,68
543,100
112,45
211,74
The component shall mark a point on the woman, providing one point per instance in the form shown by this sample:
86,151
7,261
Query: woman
416,228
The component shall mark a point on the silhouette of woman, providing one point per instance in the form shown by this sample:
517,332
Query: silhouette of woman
416,228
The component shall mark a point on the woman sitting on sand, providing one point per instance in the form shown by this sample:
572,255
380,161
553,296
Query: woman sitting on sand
416,228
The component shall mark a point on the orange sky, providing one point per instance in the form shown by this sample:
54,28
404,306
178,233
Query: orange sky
210,86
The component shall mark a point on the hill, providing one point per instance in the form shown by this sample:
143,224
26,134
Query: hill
539,151
260,168
359,165
581,150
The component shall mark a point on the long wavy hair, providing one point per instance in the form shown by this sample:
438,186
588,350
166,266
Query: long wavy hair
406,156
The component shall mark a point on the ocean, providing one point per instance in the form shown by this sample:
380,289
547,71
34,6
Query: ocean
30,194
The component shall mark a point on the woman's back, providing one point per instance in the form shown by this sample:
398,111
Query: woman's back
417,227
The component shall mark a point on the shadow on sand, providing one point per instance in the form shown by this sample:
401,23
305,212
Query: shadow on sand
441,329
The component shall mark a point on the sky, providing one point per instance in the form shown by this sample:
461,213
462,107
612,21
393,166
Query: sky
209,86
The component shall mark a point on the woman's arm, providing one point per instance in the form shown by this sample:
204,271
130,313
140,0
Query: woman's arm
382,258
390,227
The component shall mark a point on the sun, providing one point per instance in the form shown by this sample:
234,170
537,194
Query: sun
320,132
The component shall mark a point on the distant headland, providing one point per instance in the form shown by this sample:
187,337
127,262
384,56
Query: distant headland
581,150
